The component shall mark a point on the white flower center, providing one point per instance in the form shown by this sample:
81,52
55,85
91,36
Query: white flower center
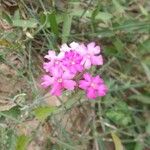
93,85
72,62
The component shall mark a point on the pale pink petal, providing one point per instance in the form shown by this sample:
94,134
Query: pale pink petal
90,47
47,66
84,84
91,93
51,55
69,84
67,75
64,48
87,64
82,50
57,72
87,77
97,60
102,90
47,81
74,45
61,55
97,50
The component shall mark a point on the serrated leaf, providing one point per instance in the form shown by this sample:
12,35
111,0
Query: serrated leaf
117,141
31,23
43,112
22,142
66,27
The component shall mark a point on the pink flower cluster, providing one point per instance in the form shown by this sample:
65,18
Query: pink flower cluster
62,70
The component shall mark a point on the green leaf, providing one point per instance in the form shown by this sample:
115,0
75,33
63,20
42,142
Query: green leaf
104,16
141,98
13,112
117,141
66,27
53,23
7,17
31,23
43,112
118,6
22,142
119,114
119,45
144,47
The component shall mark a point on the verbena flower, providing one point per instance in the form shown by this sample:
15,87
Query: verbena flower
62,70
90,55
72,62
94,86
58,81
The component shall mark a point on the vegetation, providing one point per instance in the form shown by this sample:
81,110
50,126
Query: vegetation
32,119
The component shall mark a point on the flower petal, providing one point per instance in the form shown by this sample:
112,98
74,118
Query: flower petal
51,55
91,93
84,84
97,60
56,89
47,81
69,84
87,77
67,75
97,80
87,64
102,90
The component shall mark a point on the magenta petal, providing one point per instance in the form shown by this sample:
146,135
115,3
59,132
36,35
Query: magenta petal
79,68
84,84
87,77
69,84
56,89
91,93
97,60
102,90
97,80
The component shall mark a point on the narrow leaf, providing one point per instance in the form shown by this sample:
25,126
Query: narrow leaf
66,27
141,98
117,141
53,23
31,23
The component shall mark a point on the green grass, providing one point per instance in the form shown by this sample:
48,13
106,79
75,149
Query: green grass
118,120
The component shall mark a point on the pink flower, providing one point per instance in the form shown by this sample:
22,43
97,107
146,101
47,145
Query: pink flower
90,55
59,81
72,62
54,61
94,86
